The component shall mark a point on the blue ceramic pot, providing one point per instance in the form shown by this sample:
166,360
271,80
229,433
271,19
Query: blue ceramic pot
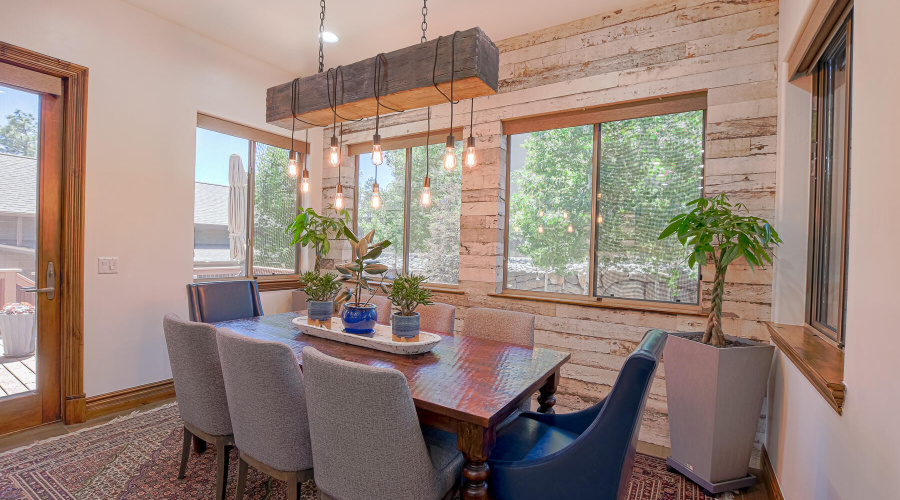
359,319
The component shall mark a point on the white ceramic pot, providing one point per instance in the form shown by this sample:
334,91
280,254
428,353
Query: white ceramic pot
19,334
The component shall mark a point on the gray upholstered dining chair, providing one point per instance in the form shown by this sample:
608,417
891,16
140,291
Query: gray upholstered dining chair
200,392
437,318
366,437
224,300
383,307
511,327
267,403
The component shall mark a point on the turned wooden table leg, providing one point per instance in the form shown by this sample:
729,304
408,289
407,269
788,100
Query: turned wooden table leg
546,397
475,443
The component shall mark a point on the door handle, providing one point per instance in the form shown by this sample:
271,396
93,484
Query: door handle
50,289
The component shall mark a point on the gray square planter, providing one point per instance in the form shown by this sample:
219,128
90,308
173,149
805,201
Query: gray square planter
714,397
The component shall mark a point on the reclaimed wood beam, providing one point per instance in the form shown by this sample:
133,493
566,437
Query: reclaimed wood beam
406,82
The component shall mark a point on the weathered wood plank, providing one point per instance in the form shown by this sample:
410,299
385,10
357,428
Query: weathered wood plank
406,82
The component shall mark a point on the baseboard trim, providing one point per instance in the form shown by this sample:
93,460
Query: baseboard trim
768,478
126,399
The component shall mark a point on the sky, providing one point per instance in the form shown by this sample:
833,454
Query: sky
12,99
367,170
213,153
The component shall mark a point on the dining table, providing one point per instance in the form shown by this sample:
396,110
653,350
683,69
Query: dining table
465,385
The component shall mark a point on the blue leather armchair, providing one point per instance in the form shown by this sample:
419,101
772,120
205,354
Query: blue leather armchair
586,454
223,301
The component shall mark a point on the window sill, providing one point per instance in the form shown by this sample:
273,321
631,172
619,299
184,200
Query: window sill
820,362
635,305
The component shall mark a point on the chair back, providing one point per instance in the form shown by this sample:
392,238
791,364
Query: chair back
266,400
610,441
223,300
365,432
197,373
437,318
383,308
503,326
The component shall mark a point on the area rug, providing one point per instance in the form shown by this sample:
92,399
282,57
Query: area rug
137,457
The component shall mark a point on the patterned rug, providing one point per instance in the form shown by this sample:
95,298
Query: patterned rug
137,457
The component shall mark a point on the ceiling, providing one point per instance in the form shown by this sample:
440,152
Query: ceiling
284,33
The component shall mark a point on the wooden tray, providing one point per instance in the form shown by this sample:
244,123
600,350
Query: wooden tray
380,340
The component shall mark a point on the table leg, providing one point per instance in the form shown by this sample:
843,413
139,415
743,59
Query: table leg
546,397
475,443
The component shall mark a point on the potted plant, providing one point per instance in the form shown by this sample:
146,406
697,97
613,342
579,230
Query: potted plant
407,294
17,329
715,383
359,317
311,228
321,291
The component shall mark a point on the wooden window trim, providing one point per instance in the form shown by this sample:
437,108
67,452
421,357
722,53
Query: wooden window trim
821,24
266,283
819,361
17,76
835,338
405,141
627,110
675,103
234,129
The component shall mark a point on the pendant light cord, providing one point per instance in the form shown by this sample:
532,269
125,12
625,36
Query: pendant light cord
427,145
452,66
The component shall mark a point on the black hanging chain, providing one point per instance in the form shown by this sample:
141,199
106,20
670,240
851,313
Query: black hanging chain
424,20
322,37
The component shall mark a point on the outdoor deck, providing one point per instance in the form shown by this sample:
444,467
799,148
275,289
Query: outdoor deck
17,375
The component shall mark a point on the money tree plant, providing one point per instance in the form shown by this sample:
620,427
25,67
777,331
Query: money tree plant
717,235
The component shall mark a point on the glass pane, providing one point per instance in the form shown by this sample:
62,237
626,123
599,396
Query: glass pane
434,229
274,207
387,220
649,168
19,126
550,210
833,186
220,205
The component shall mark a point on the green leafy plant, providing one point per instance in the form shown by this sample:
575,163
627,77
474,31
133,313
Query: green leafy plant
364,252
321,288
716,234
407,294
311,228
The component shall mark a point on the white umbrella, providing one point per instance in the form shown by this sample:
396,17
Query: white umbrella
237,209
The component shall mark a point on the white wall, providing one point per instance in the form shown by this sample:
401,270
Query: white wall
148,79
818,454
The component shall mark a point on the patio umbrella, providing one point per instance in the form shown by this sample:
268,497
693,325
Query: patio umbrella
237,209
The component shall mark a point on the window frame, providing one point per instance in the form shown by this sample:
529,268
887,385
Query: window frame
254,136
680,103
836,336
406,143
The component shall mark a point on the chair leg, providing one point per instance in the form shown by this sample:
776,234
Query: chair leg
241,479
199,444
293,490
222,451
185,451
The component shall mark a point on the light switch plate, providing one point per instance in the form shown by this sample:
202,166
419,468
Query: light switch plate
108,265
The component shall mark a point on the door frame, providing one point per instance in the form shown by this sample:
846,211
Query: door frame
71,262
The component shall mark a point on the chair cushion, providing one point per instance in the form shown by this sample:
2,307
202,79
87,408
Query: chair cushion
525,438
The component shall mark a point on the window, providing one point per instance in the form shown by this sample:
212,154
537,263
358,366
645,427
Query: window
830,187
587,204
424,239
243,201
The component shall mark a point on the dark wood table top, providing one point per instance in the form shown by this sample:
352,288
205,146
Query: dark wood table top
468,379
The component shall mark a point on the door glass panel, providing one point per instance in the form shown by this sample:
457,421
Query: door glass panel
19,125
387,219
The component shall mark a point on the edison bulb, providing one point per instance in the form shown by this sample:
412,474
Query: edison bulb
570,228
334,156
470,153
377,155
376,198
565,214
450,154
426,196
304,181
339,198
540,213
599,219
292,168
541,228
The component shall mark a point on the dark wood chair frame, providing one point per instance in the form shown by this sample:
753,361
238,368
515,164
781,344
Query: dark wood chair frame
294,479
200,439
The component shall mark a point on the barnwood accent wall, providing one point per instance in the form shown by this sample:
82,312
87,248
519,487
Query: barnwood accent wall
727,47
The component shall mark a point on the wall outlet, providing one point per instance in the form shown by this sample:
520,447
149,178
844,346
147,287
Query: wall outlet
108,265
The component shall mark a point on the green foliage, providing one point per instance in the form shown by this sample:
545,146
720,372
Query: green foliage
310,228
19,135
715,234
274,204
407,294
363,266
321,288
